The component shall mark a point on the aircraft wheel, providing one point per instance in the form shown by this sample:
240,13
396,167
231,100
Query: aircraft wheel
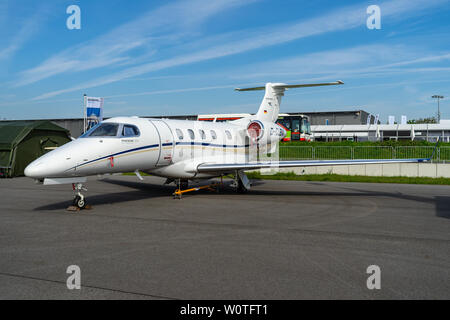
240,188
79,202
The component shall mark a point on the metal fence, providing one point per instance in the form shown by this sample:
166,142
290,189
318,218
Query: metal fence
442,154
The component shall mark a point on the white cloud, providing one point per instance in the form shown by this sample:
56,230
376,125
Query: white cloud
343,19
427,59
165,25
375,60
29,28
353,59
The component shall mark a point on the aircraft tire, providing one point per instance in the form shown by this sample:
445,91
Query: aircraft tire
240,188
79,202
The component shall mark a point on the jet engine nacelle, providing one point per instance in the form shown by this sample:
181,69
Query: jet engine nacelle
264,132
255,130
264,137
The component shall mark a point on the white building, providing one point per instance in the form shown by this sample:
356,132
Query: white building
380,132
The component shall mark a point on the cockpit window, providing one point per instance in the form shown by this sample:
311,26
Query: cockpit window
103,130
130,131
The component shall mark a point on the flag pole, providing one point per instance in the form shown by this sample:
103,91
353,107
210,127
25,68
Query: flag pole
84,113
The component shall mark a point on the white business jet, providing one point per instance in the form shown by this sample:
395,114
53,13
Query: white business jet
179,150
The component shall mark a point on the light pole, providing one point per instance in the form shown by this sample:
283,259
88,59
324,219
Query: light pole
439,111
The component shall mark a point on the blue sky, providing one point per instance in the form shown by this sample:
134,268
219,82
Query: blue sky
185,57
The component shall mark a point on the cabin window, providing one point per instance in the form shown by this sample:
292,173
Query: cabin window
130,131
213,134
179,134
202,134
191,134
228,134
104,130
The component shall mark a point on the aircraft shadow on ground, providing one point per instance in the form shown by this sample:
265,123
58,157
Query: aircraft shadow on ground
148,190
143,191
442,203
443,207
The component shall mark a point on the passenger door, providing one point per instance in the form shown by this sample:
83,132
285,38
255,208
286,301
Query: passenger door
166,144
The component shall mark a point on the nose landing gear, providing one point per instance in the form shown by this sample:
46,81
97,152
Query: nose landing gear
79,201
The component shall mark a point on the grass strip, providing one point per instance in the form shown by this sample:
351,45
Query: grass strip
347,178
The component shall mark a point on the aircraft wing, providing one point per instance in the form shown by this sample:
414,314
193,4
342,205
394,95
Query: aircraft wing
230,167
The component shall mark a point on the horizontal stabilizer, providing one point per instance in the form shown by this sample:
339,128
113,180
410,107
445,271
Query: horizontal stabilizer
250,89
290,86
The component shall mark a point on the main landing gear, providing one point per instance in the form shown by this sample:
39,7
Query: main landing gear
241,182
240,187
182,184
79,201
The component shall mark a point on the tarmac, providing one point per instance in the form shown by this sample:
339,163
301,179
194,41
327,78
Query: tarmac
281,240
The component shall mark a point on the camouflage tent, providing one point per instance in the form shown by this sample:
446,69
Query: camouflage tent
23,141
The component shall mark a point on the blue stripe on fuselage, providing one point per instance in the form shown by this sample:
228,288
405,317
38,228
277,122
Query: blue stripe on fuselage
118,153
205,144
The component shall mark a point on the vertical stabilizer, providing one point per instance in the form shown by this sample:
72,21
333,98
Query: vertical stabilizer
270,106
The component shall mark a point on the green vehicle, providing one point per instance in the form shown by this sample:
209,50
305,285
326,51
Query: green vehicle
297,127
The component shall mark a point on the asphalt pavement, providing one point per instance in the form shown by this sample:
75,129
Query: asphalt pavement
281,240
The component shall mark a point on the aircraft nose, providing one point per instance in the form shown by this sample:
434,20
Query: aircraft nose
56,163
34,170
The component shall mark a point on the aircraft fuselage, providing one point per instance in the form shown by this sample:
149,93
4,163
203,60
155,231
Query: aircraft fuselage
169,148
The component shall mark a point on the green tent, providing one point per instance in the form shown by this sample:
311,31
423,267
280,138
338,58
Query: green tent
24,141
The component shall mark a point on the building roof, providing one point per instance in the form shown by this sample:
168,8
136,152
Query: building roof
330,111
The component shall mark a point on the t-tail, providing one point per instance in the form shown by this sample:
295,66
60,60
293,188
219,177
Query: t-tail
270,106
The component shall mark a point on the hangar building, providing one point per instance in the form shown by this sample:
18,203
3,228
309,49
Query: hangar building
23,141
352,117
